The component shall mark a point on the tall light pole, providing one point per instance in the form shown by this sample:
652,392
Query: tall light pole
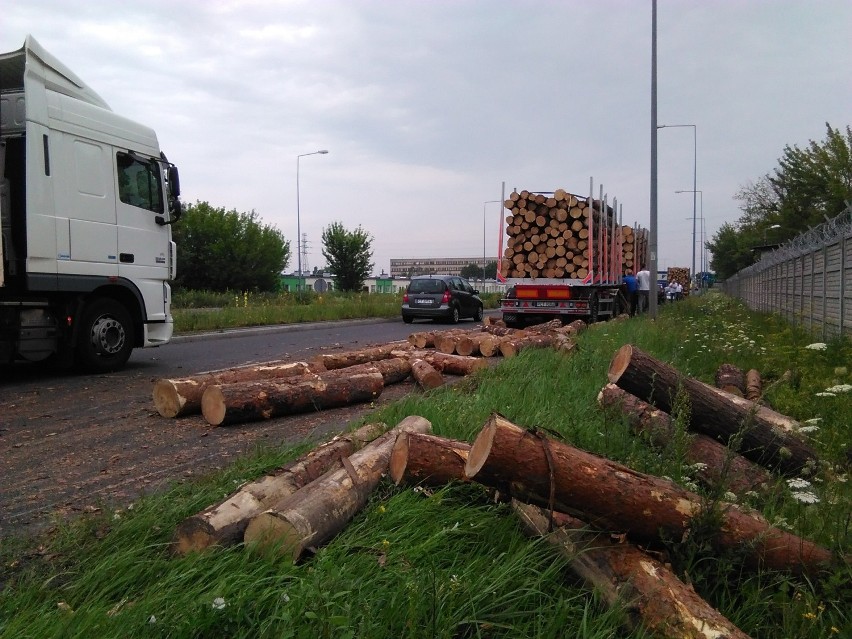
701,194
298,217
694,179
484,251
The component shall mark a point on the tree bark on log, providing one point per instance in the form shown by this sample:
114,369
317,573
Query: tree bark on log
510,347
650,594
320,510
546,472
394,370
730,379
449,364
753,386
182,396
224,523
253,401
333,361
720,466
713,412
426,459
425,374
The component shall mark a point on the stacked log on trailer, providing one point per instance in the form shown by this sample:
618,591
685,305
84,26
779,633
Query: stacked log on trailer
679,274
634,249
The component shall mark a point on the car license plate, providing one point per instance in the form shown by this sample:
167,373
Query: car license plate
426,301
545,304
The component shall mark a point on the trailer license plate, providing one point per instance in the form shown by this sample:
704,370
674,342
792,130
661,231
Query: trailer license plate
545,304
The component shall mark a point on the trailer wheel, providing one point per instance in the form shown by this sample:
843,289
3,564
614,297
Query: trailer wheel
593,307
106,336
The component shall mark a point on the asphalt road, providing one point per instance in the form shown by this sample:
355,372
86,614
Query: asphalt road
72,443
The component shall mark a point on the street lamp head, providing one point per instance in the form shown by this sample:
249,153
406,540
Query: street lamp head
774,226
323,152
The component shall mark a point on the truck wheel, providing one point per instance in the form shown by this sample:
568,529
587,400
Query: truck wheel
106,336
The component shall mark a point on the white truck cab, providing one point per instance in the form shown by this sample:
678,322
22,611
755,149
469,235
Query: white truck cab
86,201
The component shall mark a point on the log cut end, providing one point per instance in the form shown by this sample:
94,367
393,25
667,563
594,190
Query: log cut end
192,535
399,459
274,536
213,406
481,448
167,400
620,362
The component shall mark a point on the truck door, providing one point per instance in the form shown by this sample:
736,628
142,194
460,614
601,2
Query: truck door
143,244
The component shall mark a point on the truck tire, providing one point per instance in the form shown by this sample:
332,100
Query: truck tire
106,336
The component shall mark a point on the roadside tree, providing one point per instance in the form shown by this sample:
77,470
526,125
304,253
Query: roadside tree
221,250
347,255
471,272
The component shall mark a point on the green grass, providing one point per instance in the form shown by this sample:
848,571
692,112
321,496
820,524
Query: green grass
450,562
208,311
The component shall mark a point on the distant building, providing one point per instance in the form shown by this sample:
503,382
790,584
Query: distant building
408,266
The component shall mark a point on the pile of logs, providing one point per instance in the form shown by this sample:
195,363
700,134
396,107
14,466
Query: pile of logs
556,490
548,236
679,274
276,389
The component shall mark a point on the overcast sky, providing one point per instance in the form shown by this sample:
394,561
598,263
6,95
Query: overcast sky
427,107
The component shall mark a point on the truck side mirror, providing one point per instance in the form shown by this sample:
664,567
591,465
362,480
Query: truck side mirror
174,181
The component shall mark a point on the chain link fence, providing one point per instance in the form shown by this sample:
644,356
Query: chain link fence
808,279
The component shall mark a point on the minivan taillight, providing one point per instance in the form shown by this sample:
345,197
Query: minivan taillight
405,298
446,298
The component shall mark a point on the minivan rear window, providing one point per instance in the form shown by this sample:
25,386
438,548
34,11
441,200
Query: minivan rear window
426,286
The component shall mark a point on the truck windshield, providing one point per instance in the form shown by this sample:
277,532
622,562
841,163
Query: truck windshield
139,182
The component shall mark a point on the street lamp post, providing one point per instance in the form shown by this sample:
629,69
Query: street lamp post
701,194
298,216
484,251
694,179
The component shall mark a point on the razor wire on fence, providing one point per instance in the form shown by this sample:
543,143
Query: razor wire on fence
807,279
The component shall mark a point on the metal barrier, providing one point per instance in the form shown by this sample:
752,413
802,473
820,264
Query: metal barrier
807,280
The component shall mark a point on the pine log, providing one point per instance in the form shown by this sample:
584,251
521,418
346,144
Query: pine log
320,510
332,361
648,592
731,379
425,374
753,386
450,364
224,523
393,370
182,396
423,339
253,401
510,347
536,469
765,438
489,345
426,459
717,465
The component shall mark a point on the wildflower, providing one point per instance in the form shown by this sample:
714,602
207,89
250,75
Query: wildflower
385,544
798,482
809,615
152,619
285,597
219,603
730,497
813,420
839,388
806,497
826,395
835,630
817,346
382,508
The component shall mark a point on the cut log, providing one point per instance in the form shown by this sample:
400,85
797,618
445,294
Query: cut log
716,465
320,510
510,347
426,459
450,364
394,370
424,339
767,437
648,592
182,396
425,374
332,361
730,378
753,386
253,401
547,472
224,523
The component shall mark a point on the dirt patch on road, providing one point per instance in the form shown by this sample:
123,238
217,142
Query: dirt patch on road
70,444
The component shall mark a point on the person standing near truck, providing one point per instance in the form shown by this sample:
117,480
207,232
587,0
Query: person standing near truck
632,289
643,282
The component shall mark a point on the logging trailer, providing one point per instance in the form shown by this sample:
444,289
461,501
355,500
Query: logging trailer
565,257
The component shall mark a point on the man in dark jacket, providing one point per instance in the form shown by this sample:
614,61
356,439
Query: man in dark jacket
632,290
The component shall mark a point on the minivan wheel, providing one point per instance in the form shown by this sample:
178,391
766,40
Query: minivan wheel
454,318
407,319
479,314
